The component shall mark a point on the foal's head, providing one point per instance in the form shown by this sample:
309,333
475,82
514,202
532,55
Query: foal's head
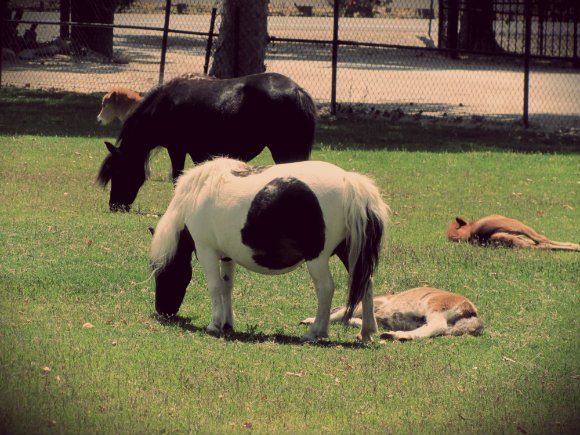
459,230
126,173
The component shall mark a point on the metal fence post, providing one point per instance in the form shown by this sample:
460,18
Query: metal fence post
236,41
209,40
3,16
65,8
164,40
527,49
334,58
575,55
453,28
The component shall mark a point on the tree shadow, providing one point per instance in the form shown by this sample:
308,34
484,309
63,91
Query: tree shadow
52,113
185,323
399,127
357,126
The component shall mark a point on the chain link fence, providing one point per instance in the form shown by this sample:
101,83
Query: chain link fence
389,58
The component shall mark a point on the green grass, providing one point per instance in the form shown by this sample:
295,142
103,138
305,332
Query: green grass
67,261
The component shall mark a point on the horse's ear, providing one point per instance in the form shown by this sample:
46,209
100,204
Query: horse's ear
112,149
460,221
152,231
113,96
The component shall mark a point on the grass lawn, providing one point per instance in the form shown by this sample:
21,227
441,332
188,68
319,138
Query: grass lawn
82,353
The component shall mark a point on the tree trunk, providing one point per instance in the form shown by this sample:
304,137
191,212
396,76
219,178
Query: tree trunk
243,37
476,32
93,38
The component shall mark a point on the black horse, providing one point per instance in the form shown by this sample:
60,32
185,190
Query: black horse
206,117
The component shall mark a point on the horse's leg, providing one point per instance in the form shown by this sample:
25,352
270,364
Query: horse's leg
435,325
518,242
510,240
210,262
177,163
369,322
336,315
324,285
228,267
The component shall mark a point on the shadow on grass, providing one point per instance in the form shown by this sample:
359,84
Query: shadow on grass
52,113
55,113
253,336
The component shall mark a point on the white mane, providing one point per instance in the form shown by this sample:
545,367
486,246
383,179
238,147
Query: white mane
204,178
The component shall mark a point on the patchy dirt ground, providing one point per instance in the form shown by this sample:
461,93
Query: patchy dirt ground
408,83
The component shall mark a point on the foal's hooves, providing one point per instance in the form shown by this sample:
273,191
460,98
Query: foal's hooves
393,337
307,321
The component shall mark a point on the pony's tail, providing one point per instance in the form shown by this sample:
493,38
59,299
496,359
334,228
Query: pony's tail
166,236
366,216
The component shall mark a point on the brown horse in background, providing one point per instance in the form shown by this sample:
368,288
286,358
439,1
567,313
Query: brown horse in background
118,103
497,230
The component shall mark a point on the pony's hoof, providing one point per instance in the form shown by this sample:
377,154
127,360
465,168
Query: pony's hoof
392,336
214,330
364,338
308,321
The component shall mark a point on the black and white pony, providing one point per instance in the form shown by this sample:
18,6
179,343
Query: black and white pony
270,219
206,117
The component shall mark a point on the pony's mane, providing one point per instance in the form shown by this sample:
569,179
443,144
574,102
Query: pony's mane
204,178
193,184
106,171
193,76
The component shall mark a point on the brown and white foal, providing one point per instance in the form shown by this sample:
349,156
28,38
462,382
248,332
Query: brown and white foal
497,230
118,103
418,313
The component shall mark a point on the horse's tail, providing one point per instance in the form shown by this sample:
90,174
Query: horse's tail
308,109
366,216
306,104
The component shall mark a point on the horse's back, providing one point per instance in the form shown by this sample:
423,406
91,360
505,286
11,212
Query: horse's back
271,219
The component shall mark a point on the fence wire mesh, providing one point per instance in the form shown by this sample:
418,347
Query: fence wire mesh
394,58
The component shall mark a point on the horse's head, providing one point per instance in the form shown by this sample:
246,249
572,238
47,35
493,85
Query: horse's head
126,174
459,230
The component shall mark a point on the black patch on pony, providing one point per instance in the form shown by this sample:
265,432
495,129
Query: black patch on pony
284,225
172,280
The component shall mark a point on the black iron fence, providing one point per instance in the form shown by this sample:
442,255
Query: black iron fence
468,60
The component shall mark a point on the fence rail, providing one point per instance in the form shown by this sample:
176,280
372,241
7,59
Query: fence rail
408,59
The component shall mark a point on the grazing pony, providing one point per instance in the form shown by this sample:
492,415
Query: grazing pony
270,219
496,230
418,313
206,118
118,103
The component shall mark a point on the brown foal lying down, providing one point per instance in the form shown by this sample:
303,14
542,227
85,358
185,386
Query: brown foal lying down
496,230
418,313
118,103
